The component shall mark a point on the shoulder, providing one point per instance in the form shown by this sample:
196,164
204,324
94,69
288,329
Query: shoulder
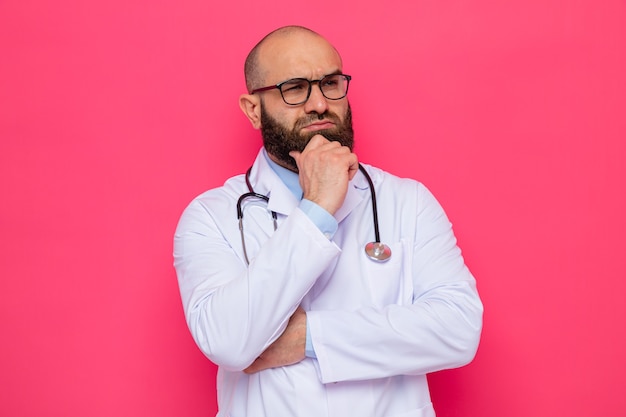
400,190
219,198
391,182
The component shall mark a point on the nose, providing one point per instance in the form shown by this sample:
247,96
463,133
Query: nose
316,103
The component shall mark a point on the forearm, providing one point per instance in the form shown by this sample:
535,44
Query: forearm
427,314
439,331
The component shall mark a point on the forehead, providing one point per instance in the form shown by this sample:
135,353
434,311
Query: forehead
297,55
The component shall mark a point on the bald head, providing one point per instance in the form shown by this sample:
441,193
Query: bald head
281,48
289,55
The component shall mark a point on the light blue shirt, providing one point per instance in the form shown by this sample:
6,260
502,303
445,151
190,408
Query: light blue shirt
320,217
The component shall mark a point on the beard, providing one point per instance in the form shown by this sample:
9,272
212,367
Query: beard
279,141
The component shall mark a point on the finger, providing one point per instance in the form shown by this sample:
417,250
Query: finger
316,141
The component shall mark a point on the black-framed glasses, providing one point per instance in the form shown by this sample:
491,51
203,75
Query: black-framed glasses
298,90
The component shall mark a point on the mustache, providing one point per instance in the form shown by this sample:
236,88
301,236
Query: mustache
310,118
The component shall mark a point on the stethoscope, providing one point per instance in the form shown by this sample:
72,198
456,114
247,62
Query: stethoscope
376,251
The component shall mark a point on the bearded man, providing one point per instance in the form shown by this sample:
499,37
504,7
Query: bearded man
277,288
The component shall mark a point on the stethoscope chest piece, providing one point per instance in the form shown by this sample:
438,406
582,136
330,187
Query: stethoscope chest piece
377,251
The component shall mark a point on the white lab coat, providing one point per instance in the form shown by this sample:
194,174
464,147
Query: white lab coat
377,328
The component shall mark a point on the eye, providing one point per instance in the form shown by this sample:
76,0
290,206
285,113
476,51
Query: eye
332,83
294,86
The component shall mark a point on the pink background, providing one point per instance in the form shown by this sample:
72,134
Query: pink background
115,114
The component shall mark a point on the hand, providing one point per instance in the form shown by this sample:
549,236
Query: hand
325,168
288,349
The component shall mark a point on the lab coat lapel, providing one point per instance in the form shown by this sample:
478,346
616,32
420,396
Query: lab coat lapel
357,190
265,181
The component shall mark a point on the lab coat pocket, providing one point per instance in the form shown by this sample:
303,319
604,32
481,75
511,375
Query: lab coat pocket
390,282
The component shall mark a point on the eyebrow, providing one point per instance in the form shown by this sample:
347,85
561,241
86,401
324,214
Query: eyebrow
336,72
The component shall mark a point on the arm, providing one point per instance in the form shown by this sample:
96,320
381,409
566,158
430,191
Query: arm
234,312
438,329
288,349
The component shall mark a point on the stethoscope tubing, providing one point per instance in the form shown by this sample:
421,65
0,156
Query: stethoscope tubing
374,206
375,250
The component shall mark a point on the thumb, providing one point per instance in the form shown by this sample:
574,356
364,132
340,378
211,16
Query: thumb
295,155
353,169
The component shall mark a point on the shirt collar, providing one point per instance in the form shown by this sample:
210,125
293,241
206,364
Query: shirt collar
284,201
289,178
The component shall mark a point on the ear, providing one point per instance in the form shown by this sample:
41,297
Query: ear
250,105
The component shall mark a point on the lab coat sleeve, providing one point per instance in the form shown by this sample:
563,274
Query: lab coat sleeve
439,329
235,312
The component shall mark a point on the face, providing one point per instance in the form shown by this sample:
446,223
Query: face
287,127
280,139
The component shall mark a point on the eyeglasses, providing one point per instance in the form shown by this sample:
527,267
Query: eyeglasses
298,90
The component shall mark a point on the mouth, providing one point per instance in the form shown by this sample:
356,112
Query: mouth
319,125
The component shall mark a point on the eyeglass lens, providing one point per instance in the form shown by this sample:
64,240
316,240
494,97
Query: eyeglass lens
297,91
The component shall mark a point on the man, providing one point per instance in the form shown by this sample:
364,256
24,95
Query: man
300,321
